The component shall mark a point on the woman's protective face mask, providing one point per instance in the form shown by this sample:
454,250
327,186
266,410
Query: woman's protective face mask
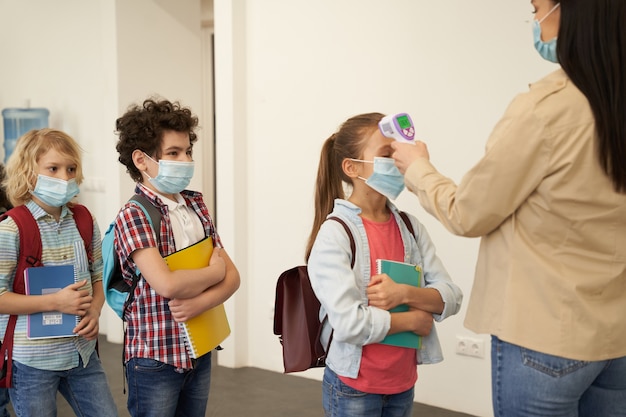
547,50
55,192
173,176
386,178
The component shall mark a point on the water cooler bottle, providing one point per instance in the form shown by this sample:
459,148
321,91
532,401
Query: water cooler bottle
18,121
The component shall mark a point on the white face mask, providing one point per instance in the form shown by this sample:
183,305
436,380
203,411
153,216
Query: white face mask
55,192
173,176
547,50
386,178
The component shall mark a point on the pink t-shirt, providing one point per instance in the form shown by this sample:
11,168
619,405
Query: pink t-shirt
384,369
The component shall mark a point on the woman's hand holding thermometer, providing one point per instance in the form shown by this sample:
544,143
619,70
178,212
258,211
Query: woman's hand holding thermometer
400,127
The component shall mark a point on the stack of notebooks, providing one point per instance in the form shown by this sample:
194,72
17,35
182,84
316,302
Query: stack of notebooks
206,331
402,273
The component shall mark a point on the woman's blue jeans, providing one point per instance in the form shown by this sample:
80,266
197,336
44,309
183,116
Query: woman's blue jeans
34,391
527,383
156,389
340,400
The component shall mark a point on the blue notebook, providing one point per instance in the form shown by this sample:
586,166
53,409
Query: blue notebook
47,280
401,273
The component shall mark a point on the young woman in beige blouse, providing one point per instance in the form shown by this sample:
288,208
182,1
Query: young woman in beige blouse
549,201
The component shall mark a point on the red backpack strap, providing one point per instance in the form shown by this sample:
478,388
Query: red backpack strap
30,244
6,352
84,223
29,255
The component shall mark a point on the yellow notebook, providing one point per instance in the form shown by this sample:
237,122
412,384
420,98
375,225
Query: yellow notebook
207,330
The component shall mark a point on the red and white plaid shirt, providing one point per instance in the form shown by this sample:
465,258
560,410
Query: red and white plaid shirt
151,331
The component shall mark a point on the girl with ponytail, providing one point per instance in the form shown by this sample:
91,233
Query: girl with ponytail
355,182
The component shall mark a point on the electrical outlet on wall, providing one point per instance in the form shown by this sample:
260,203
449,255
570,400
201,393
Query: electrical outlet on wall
469,346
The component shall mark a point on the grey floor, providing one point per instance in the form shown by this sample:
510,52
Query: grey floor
242,392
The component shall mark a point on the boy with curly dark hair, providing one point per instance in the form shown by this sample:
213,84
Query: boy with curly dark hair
155,144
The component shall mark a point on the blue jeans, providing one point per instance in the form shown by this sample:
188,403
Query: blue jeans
34,391
340,400
4,402
526,383
157,389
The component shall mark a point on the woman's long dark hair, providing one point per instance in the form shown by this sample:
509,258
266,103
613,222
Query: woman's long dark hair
591,49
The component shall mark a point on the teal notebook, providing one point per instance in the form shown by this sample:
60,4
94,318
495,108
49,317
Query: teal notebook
402,273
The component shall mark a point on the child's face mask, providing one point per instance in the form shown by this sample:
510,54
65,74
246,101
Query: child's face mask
55,192
386,178
173,176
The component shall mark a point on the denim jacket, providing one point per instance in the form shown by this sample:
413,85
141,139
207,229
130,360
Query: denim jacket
342,291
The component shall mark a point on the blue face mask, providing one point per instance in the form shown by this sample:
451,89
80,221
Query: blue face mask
173,176
55,192
386,179
547,50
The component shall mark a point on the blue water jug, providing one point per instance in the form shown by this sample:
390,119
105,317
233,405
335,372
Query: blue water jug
18,121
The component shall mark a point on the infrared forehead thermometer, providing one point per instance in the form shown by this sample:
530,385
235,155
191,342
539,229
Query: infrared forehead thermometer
399,127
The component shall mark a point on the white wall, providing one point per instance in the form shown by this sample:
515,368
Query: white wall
58,56
288,72
88,61
158,53
61,55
